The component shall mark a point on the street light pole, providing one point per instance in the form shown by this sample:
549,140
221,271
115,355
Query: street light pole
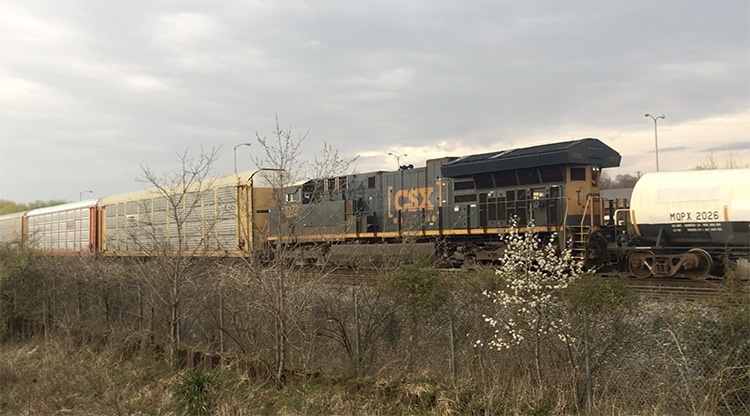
235,155
656,137
401,173
398,157
80,194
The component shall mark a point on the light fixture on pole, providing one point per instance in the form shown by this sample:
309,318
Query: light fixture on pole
398,157
235,155
656,137
80,194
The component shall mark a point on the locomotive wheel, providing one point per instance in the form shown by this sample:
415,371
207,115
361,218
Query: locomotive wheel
639,263
470,262
703,263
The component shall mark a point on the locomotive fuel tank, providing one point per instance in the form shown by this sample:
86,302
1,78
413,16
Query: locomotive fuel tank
701,208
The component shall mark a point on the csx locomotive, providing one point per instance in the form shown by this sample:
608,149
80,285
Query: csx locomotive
454,210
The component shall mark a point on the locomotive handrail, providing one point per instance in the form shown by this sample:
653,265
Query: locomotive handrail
565,221
589,213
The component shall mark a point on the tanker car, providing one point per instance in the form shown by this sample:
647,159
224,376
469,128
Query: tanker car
689,222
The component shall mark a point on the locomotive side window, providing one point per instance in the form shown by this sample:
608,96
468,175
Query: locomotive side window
521,204
496,209
307,193
528,177
463,185
505,179
465,198
553,174
484,182
510,206
371,182
521,195
577,174
554,192
331,185
319,190
343,183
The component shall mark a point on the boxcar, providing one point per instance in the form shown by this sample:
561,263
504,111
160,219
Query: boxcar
222,217
68,229
12,228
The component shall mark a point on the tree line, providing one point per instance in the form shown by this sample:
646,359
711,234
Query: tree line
9,207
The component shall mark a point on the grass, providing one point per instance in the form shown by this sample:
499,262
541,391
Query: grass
58,377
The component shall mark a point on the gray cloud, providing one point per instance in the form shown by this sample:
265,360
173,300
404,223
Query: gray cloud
91,91
729,147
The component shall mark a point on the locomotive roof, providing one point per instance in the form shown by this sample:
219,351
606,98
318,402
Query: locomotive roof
588,151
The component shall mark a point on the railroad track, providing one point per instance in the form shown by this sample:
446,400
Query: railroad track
666,289
674,290
679,289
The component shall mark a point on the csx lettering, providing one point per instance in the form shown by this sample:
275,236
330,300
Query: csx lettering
413,199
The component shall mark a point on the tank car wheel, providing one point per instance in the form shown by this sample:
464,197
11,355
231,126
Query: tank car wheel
703,264
639,265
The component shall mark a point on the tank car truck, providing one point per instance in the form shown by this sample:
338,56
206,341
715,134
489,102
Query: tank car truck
453,209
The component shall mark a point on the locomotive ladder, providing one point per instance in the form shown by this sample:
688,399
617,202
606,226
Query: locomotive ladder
590,219
578,247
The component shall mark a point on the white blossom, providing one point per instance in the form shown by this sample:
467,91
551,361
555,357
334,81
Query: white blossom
534,272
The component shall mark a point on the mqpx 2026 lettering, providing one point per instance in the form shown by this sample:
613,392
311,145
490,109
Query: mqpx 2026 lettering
685,216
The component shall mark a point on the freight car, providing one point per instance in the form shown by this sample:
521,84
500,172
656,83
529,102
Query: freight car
13,228
454,209
689,222
65,230
219,217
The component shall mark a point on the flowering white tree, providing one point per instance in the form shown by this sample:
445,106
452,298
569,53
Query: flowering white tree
529,306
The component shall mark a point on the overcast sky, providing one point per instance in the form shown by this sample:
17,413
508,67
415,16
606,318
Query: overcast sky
92,90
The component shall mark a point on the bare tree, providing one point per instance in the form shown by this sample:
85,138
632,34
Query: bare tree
624,180
710,163
280,165
175,233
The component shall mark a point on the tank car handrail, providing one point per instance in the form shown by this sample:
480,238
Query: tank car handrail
617,212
